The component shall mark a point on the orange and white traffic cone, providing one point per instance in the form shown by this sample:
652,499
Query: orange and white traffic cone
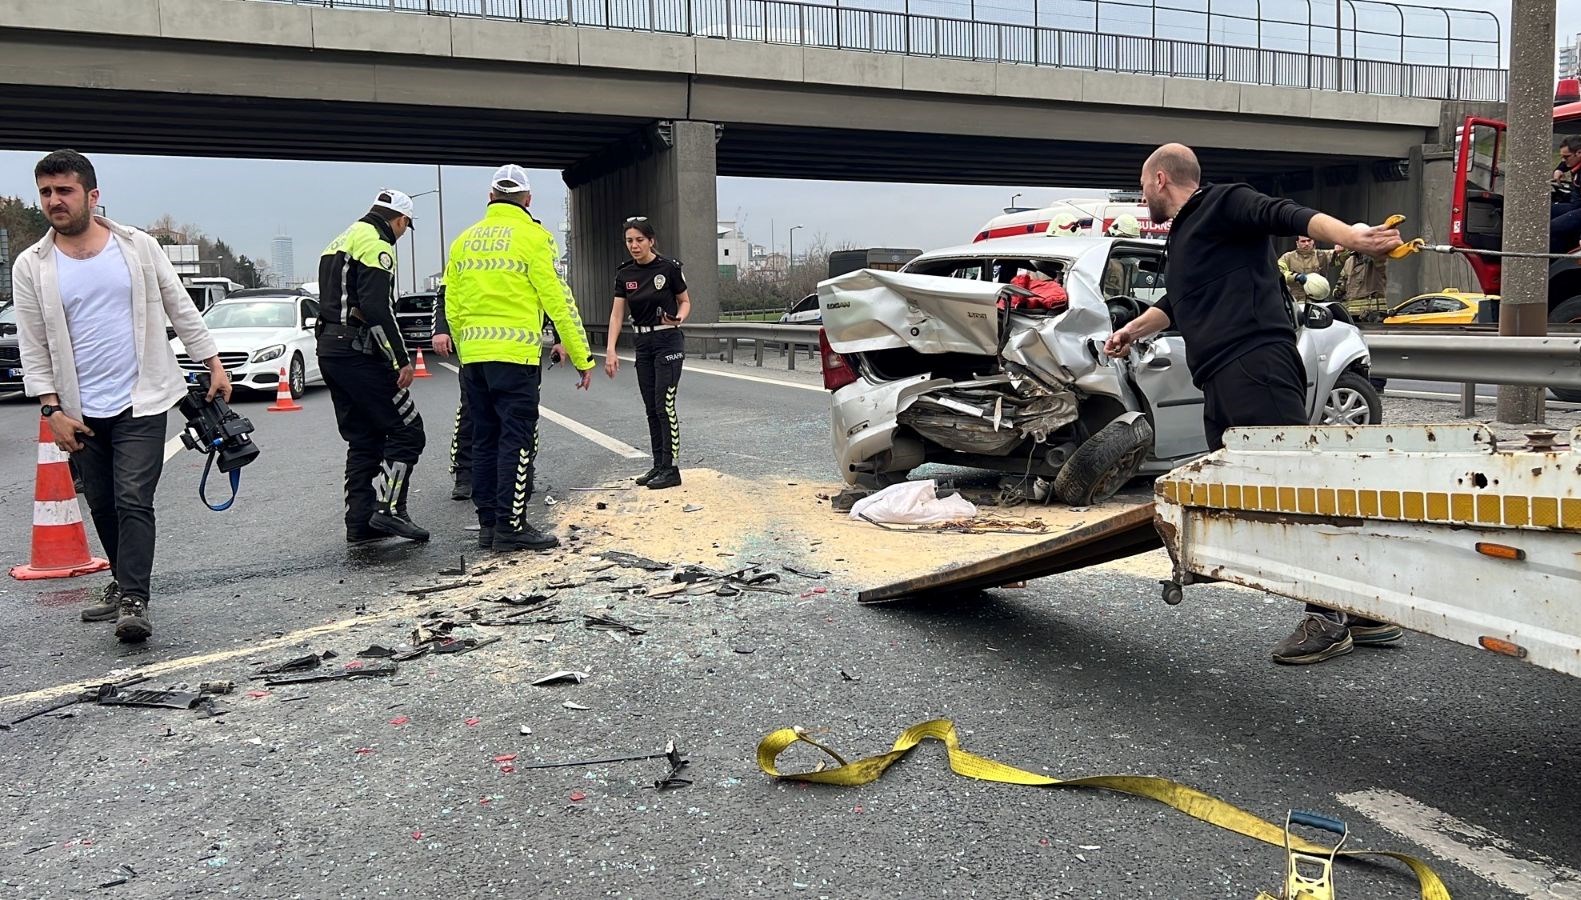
60,545
421,370
282,397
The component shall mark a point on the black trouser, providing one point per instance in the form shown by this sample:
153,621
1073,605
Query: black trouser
382,429
120,465
1564,230
1266,386
660,358
504,404
461,438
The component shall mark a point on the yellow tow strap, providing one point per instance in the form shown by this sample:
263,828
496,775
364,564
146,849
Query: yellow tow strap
1188,800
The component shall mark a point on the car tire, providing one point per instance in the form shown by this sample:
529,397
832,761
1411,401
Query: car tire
1104,462
1352,401
1567,312
877,481
296,375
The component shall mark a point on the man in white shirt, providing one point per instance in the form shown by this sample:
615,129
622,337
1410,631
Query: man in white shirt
92,298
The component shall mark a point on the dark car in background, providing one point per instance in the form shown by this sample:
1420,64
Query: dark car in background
10,351
414,313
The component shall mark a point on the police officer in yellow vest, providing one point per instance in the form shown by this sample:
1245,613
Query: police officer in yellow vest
499,284
368,370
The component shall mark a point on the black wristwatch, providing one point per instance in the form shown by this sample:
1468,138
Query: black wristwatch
48,409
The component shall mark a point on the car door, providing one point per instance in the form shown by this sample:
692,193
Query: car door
1160,368
308,341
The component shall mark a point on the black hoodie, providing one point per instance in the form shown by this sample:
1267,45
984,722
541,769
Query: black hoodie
1225,294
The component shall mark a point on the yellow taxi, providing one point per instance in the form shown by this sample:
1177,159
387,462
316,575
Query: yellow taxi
1446,307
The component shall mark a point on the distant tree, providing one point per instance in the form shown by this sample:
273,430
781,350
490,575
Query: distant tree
23,221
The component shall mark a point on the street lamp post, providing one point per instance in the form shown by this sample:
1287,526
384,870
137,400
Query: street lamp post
411,243
790,264
1013,199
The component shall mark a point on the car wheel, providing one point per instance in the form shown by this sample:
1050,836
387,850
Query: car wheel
1568,312
1353,401
1104,462
877,481
297,375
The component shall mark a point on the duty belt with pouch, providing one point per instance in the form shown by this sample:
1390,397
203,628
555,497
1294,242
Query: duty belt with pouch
362,338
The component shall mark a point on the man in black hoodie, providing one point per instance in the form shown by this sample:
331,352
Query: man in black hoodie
1228,302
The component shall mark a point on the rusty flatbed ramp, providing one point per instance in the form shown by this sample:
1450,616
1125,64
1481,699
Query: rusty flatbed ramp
1123,534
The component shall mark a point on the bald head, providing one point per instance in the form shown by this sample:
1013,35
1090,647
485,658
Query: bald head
1176,161
1169,177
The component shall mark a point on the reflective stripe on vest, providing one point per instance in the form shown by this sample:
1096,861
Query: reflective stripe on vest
518,335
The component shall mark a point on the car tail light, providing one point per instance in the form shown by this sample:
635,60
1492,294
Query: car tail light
837,373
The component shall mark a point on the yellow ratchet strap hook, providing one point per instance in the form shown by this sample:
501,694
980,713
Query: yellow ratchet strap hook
1414,245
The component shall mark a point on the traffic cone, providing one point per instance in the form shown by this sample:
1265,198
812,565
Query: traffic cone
282,397
60,545
421,371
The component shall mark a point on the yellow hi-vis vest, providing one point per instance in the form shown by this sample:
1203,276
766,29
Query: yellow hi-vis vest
499,284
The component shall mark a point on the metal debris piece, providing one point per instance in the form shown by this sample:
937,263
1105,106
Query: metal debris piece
458,646
441,588
148,698
631,561
843,501
217,687
610,623
375,651
844,676
570,705
88,696
790,570
339,675
564,676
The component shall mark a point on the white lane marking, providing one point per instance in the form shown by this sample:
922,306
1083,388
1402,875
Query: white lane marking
1475,849
758,378
580,430
172,447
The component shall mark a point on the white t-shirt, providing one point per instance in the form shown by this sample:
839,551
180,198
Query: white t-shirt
97,294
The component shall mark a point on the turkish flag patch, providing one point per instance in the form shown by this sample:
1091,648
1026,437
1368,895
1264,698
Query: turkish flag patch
631,285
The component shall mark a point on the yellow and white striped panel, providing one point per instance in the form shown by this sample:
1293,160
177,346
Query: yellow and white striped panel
1436,507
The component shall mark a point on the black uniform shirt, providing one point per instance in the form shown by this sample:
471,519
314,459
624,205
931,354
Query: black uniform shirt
650,289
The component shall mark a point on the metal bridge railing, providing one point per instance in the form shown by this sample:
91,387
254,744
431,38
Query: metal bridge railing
1244,58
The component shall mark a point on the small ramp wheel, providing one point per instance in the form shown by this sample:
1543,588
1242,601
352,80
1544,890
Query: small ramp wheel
1172,593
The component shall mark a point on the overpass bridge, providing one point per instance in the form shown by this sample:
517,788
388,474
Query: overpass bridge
647,119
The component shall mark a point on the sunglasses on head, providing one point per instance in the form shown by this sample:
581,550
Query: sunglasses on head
634,219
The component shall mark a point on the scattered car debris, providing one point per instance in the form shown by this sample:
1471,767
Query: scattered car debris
789,570
343,674
610,623
375,651
149,698
524,730
88,696
441,588
846,676
670,753
564,676
299,664
458,646
570,705
549,500
217,687
691,508
632,561
845,500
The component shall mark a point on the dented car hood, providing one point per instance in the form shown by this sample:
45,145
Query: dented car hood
871,310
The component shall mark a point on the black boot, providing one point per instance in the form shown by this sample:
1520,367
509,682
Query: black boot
108,607
486,536
667,477
649,475
390,514
133,624
463,487
527,538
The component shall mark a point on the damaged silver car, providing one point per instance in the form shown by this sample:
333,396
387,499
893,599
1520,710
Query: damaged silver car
990,356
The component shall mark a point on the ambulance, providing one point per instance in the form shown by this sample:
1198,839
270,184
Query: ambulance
1092,217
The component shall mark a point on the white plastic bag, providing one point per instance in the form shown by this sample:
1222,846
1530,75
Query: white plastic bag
912,503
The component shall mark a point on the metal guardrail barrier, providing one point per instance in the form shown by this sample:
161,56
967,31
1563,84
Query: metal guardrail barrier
1357,54
762,335
1543,362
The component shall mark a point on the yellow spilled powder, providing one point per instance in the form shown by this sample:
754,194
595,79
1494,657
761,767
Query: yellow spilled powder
732,519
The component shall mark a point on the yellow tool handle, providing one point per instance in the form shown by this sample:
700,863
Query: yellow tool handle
1186,799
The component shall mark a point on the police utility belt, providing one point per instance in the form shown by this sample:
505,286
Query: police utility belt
360,337
645,329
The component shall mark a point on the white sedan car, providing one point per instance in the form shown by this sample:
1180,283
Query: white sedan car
259,333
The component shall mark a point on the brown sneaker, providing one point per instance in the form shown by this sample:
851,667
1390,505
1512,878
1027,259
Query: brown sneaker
1317,638
108,606
1372,633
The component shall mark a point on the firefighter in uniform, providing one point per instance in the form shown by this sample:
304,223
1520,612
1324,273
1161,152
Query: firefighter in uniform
499,284
368,371
1302,263
652,288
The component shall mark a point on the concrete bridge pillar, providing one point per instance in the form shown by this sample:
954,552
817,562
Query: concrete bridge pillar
666,172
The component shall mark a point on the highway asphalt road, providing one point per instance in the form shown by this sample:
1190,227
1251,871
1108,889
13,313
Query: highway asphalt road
405,786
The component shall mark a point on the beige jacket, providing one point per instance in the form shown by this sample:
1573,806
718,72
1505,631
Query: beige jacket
48,366
1296,263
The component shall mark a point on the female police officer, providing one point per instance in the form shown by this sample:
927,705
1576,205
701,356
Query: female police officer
653,290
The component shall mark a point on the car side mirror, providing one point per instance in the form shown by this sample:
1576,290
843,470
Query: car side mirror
309,323
1315,316
8,328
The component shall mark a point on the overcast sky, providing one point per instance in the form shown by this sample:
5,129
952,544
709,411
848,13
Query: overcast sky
248,202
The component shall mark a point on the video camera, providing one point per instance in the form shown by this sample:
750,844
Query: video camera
214,429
